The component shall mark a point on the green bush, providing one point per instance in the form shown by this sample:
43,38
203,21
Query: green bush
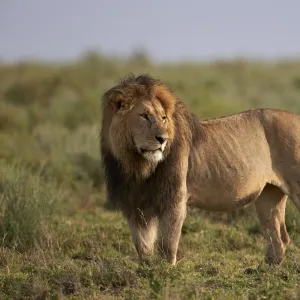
26,202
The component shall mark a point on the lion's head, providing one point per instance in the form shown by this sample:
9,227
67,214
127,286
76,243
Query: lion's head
138,125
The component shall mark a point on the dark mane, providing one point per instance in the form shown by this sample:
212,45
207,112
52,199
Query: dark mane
124,191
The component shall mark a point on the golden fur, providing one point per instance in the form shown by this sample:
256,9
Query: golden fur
158,157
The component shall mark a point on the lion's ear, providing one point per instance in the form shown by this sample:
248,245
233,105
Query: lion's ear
116,101
166,97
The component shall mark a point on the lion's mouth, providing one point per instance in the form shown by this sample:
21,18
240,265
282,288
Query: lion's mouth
152,155
150,151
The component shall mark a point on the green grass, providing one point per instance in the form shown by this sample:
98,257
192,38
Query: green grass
58,240
26,204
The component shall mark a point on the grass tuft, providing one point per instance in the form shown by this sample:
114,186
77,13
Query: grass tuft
26,203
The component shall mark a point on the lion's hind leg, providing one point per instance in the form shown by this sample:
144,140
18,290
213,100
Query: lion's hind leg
270,208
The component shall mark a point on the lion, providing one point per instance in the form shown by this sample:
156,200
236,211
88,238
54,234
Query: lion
158,158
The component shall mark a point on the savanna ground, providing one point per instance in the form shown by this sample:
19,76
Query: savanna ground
59,240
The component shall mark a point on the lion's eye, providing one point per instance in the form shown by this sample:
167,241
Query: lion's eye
144,116
164,118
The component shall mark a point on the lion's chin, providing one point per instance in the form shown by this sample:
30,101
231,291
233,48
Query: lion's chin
153,156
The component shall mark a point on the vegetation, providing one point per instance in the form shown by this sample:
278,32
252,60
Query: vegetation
59,240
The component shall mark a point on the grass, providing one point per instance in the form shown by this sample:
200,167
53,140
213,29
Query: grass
26,203
58,239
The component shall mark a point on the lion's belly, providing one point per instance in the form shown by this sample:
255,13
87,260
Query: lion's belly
229,170
222,200
226,188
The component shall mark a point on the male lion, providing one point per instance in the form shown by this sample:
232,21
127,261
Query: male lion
158,157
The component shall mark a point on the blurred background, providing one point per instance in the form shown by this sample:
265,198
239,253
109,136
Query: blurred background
57,58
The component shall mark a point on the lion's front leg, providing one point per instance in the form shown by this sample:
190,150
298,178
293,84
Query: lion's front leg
170,231
144,235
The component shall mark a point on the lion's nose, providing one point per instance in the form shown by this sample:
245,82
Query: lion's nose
161,139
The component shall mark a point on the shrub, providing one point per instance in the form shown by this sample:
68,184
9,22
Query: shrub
26,202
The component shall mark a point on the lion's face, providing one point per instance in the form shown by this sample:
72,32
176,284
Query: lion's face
146,125
138,124
149,129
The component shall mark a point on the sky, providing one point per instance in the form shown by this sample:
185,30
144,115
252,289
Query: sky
165,29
